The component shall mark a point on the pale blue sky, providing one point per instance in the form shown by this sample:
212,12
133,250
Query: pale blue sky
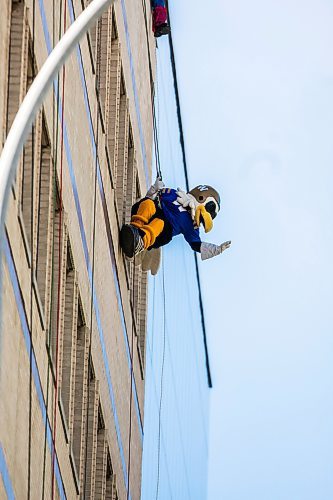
256,85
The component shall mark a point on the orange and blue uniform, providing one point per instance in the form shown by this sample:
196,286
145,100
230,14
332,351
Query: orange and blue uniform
161,219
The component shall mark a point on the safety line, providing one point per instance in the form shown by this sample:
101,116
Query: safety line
131,387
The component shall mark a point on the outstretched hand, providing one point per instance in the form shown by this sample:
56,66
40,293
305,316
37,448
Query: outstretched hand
225,246
209,250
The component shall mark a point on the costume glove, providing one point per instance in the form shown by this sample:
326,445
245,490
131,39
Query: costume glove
187,200
155,188
209,250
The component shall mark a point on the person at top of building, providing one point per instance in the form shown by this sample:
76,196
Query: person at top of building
165,213
160,18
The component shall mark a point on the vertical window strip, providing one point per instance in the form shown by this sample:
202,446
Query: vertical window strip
142,319
73,361
114,493
89,485
121,180
59,272
44,218
111,482
59,333
18,61
101,460
129,197
26,166
37,176
80,399
112,122
68,354
105,25
105,79
137,297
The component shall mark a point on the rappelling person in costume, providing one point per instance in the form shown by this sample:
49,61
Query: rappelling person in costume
165,213
160,18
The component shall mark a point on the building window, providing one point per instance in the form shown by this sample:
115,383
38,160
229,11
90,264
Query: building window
91,442
130,195
113,102
104,40
18,60
141,315
29,156
80,394
43,226
101,458
111,484
122,158
59,263
139,308
68,344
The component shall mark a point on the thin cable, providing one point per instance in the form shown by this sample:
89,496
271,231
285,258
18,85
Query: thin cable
55,112
161,388
32,206
182,144
60,237
157,150
98,42
131,388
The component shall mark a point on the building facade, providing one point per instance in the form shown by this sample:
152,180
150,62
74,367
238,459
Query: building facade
74,312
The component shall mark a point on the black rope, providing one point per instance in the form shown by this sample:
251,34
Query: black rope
182,144
161,387
32,270
98,61
179,116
